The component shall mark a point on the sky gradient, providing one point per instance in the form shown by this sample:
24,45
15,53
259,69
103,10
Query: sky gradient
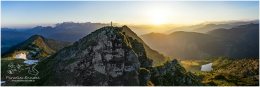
31,13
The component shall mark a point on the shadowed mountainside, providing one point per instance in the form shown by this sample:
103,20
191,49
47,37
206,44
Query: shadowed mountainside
238,42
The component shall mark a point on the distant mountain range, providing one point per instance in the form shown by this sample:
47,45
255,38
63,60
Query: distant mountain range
237,42
75,31
70,32
67,31
209,26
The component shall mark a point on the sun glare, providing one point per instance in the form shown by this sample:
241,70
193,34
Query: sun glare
158,16
158,19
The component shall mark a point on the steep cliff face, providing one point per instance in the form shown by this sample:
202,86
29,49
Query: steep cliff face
107,56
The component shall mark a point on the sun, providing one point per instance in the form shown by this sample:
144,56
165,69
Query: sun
158,16
158,19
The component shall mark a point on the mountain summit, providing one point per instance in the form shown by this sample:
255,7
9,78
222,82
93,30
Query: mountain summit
109,56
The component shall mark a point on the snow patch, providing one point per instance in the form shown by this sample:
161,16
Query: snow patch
30,62
207,67
21,55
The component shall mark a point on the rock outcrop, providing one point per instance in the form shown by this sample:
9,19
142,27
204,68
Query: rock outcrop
172,73
104,57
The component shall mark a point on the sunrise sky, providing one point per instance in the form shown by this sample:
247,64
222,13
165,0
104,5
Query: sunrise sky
154,13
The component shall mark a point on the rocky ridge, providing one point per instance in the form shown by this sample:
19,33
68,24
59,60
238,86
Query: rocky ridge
108,56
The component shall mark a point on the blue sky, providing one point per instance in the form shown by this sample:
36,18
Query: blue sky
31,13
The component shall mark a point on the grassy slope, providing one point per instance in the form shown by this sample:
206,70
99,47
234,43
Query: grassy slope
231,72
